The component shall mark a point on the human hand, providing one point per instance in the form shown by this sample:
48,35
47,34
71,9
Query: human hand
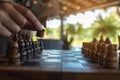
14,16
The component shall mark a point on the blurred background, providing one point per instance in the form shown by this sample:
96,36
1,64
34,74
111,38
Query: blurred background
77,21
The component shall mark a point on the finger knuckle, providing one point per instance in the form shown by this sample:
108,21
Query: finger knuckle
2,13
35,21
23,23
27,11
17,29
6,6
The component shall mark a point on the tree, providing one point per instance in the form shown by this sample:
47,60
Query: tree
107,26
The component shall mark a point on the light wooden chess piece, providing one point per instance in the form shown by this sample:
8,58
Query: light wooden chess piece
108,41
111,58
119,48
93,49
102,54
13,50
99,48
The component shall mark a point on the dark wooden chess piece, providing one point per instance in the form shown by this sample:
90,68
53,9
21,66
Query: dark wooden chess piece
22,51
41,46
38,47
111,58
34,48
13,54
30,46
27,47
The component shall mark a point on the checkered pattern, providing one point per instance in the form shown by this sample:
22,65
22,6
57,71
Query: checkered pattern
62,60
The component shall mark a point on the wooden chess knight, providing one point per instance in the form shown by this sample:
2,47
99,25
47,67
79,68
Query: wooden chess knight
111,58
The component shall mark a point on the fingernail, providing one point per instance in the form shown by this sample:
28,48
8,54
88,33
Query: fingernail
41,27
8,34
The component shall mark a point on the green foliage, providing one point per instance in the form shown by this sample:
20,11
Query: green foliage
49,30
70,28
53,33
107,27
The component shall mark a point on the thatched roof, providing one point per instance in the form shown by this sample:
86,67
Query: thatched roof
66,7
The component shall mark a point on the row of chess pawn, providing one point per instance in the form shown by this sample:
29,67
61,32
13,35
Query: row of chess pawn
102,52
22,48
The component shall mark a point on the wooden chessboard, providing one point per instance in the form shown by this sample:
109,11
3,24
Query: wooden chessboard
59,65
61,60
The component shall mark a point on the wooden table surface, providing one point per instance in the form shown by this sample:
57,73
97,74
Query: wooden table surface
58,65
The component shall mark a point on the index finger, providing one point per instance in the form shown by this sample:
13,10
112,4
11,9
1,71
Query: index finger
29,15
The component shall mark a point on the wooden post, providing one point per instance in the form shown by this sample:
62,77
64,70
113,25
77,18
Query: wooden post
61,27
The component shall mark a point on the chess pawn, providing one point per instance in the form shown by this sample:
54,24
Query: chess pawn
22,48
89,49
111,59
34,48
95,40
41,46
30,46
94,51
94,48
27,47
102,54
13,46
83,47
